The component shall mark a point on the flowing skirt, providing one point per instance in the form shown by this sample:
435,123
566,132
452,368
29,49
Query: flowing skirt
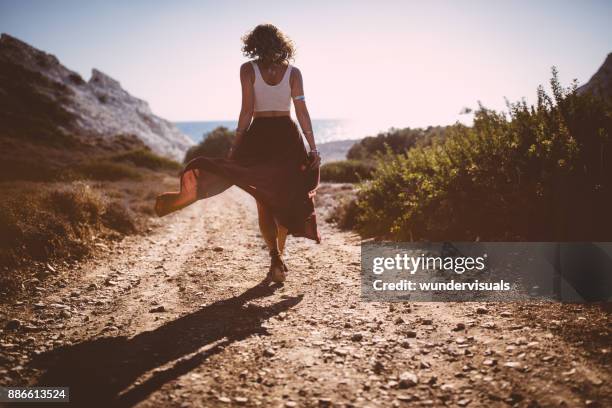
270,163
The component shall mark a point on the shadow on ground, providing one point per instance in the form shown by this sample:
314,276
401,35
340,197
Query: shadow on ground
99,371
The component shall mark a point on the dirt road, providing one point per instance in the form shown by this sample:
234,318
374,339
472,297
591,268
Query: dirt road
177,319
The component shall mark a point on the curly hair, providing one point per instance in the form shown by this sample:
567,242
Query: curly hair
268,44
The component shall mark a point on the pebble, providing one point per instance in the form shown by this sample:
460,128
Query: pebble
459,327
218,249
269,352
411,334
13,324
225,400
357,337
325,402
482,310
408,379
241,400
427,322
157,309
513,364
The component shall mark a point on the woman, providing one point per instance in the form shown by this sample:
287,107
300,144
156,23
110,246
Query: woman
268,159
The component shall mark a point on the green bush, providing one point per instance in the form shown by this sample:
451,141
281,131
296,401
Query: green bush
346,171
215,144
538,172
398,140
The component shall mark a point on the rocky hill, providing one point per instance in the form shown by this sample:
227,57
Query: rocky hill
601,82
40,98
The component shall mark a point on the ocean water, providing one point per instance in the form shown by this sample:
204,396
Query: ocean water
325,130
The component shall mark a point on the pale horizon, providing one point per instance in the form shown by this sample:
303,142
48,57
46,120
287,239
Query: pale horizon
396,64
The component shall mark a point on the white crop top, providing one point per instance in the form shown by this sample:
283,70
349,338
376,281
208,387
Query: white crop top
272,97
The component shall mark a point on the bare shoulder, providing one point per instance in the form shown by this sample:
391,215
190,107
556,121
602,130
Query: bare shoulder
246,68
296,74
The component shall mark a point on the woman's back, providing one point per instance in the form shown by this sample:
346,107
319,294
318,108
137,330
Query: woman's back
272,93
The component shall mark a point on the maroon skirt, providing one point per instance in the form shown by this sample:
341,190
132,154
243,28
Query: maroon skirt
270,163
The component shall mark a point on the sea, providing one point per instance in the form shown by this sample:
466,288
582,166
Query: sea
325,130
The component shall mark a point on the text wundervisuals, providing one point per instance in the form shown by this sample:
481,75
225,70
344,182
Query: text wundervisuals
412,264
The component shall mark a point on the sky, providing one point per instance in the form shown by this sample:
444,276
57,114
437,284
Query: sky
398,63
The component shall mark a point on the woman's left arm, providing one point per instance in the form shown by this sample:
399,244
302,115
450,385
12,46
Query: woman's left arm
303,117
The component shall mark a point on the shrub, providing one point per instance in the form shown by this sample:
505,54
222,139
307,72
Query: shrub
345,214
119,217
146,158
215,144
398,140
538,172
78,203
44,224
347,171
106,170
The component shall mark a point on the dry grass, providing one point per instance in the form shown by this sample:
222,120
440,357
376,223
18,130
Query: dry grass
59,221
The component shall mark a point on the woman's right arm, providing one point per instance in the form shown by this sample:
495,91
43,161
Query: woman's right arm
248,103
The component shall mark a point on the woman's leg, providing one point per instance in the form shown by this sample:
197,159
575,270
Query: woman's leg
269,231
267,226
281,238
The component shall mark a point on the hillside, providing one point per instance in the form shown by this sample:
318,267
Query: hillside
601,82
44,102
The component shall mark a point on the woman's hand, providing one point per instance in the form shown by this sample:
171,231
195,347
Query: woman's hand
315,158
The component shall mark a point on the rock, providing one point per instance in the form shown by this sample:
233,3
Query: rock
50,268
92,287
399,320
411,334
548,358
99,107
241,400
464,402
489,362
218,249
157,309
13,324
513,364
269,352
427,322
505,314
357,337
488,325
482,310
65,314
224,400
459,327
408,379
39,305
460,340
291,404
325,402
